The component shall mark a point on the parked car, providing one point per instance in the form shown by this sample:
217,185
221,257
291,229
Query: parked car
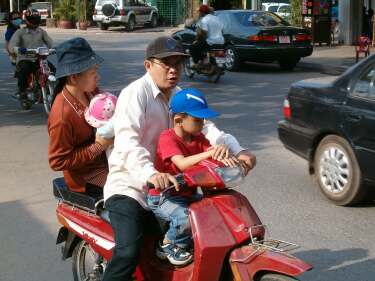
281,9
259,37
331,123
128,13
44,9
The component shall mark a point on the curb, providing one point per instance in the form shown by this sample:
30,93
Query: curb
326,69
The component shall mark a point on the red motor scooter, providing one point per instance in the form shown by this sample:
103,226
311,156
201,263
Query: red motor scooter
229,238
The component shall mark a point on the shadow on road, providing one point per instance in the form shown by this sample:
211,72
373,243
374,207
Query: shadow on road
347,264
25,242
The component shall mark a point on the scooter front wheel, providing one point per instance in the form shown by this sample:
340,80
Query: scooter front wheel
275,277
84,263
189,72
47,92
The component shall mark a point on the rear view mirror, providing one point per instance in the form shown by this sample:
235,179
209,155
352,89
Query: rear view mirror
190,24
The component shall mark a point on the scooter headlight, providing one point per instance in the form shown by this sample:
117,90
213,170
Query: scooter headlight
231,175
43,51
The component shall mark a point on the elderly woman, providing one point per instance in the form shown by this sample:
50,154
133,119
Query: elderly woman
73,146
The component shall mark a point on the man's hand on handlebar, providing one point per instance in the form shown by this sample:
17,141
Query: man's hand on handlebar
161,181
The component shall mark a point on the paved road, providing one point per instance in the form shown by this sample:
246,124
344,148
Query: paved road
337,241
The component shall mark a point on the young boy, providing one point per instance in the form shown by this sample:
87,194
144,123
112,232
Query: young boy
179,148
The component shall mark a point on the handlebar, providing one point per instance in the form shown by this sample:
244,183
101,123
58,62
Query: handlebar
180,179
41,51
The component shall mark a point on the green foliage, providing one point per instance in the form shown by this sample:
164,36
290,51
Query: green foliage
296,15
81,8
65,10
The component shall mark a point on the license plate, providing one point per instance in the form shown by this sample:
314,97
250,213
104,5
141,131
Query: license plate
284,39
220,60
106,20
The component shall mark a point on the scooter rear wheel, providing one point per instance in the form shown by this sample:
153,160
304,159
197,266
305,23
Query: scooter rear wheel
189,72
83,263
275,277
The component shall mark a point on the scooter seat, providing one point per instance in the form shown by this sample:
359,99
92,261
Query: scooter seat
80,200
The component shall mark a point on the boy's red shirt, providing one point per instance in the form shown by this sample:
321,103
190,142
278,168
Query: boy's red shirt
170,145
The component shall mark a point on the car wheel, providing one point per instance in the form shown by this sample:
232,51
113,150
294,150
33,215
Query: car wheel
231,58
131,24
154,21
337,171
102,26
288,64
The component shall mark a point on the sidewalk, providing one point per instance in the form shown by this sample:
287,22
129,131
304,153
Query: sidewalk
330,60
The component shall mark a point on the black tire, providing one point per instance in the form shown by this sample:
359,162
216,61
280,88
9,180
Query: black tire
47,93
337,172
275,277
288,64
214,78
80,266
232,59
154,21
187,69
25,104
131,24
102,26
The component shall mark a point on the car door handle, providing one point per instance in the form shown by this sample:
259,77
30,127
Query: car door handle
354,118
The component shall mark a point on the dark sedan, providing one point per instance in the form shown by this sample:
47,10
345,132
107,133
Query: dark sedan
331,123
258,36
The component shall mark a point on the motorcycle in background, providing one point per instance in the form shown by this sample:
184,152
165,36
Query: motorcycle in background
230,241
41,83
213,66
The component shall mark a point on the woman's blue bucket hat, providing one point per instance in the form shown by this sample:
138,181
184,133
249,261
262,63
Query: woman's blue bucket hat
75,56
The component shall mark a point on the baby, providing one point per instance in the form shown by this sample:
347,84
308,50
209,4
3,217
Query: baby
99,115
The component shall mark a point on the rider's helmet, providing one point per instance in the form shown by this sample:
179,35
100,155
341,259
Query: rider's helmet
32,17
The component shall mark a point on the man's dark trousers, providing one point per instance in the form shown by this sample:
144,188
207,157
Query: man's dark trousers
129,222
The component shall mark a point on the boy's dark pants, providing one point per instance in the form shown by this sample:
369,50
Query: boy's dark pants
130,221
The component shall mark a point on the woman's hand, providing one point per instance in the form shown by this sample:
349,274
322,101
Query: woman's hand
105,143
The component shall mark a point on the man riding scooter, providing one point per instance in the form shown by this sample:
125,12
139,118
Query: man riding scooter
209,33
31,36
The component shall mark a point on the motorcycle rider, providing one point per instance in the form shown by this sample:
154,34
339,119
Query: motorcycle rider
31,36
14,24
209,32
141,114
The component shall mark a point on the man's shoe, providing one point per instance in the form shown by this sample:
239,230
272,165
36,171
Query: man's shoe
16,96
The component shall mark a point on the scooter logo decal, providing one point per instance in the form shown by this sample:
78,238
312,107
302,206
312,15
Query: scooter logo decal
189,96
104,243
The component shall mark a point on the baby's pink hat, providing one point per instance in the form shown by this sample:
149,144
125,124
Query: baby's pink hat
101,109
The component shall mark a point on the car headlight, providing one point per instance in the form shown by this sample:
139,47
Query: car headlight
231,175
42,51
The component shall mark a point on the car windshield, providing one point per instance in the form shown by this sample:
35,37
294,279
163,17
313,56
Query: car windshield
273,9
40,6
259,19
102,2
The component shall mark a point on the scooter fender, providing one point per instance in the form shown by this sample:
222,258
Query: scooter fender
249,260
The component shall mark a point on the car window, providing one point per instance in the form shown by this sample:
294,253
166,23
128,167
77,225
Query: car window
273,9
364,87
259,19
284,9
141,3
224,20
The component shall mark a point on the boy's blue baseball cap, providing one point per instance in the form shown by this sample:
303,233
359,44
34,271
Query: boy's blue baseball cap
191,102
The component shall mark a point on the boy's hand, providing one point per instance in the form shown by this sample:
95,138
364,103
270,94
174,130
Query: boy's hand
162,181
230,161
219,152
247,160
